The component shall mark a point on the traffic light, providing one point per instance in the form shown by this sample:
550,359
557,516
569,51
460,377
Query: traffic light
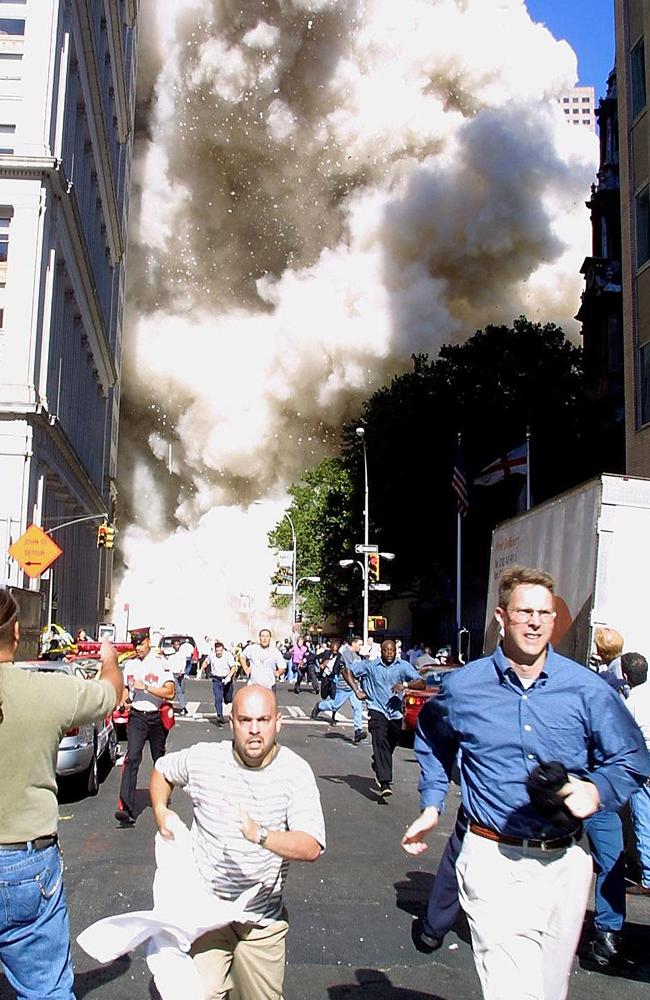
109,536
377,623
101,535
373,568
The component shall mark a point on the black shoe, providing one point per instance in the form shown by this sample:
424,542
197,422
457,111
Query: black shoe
124,817
333,719
426,943
296,689
182,711
315,712
605,948
385,791
359,734
221,720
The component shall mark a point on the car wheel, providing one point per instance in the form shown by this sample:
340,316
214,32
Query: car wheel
92,774
406,738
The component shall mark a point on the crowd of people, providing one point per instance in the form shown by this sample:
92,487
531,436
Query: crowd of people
547,754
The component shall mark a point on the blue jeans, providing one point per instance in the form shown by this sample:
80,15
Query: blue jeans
605,835
341,695
179,681
34,928
222,691
640,809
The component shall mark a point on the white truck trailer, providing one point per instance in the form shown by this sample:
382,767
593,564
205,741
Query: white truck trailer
595,542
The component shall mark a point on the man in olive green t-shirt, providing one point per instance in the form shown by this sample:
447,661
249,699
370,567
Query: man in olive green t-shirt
35,711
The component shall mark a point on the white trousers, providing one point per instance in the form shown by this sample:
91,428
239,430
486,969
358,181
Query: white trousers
525,909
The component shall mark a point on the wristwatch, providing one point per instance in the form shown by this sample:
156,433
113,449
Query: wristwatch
262,834
146,685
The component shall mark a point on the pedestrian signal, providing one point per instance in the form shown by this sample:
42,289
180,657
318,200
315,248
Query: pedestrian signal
109,536
377,623
101,536
373,568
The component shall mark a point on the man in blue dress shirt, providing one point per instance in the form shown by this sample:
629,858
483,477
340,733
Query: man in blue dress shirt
384,682
524,878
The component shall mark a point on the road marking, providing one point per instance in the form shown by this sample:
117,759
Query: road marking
295,712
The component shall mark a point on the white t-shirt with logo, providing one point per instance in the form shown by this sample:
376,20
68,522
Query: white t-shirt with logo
155,670
263,663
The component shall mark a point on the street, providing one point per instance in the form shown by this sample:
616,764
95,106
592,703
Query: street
349,913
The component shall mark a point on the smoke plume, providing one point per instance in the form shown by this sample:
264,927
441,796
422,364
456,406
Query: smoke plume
321,189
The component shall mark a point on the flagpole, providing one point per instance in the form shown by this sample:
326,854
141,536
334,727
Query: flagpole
459,542
528,468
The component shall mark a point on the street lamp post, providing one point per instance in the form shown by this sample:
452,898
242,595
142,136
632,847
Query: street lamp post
294,560
360,432
363,566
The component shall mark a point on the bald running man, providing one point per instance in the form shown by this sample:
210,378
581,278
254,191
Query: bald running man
256,808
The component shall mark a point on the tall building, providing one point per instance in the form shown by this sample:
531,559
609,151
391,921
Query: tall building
578,105
601,309
67,98
632,28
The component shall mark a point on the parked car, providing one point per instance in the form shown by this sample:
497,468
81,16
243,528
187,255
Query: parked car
414,700
166,648
84,749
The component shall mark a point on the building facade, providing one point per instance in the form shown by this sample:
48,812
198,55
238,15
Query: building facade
632,29
578,105
67,101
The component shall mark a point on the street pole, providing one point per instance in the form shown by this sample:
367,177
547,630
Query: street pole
293,574
366,533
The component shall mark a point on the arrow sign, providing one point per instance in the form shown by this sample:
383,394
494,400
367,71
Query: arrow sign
379,586
34,551
370,549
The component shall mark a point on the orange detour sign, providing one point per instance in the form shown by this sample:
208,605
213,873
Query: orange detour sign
35,551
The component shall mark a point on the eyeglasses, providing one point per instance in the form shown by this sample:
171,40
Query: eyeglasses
521,615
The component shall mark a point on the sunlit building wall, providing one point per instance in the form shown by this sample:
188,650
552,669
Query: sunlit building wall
67,97
632,32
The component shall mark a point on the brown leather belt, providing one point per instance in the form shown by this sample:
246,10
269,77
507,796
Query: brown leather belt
555,844
38,844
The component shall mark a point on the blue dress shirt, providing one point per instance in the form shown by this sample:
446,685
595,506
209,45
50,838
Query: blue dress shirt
505,730
378,680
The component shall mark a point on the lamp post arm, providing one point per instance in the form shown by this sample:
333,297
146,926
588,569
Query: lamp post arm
77,520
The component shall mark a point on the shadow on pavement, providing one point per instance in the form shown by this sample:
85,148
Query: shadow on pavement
86,982
375,985
364,786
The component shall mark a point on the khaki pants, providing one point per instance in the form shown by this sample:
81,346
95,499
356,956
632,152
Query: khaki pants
525,909
244,959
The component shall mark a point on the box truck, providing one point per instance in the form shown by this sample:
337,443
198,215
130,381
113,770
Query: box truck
595,541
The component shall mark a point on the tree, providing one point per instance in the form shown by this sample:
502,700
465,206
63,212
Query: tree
321,515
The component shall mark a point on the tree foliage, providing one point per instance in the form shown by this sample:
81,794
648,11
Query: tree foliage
491,389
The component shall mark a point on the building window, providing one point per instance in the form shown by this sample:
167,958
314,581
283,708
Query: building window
12,26
637,78
11,65
565,100
585,100
644,379
642,205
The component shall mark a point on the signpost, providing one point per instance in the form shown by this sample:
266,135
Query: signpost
362,549
34,551
379,586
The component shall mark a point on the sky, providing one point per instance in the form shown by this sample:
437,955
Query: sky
588,26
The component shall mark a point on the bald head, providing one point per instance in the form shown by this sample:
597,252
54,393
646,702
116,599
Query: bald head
255,724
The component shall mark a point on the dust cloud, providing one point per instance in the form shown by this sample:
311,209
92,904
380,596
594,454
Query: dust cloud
321,188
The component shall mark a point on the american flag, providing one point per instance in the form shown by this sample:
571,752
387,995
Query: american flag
459,484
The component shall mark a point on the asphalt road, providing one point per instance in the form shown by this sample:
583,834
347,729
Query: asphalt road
350,912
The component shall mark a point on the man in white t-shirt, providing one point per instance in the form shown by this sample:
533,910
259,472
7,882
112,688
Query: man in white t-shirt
223,669
150,683
263,663
256,807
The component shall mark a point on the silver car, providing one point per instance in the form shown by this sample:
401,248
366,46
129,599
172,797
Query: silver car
81,749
